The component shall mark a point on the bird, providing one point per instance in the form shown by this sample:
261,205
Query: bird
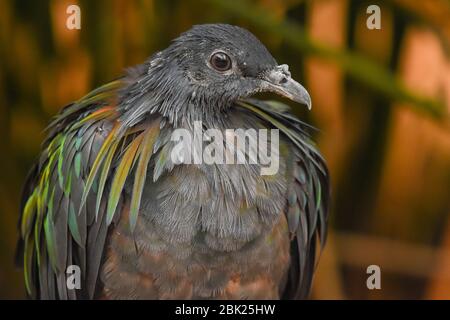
106,194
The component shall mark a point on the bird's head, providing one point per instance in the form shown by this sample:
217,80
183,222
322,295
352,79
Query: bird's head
211,66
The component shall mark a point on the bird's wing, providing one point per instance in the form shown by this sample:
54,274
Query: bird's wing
74,191
307,198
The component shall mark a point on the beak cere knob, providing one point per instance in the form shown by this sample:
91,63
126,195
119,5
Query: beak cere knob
281,74
284,68
279,81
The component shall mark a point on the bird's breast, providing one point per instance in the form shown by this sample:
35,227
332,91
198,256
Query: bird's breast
201,234
204,231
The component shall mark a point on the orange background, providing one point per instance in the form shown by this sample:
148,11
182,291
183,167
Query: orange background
381,101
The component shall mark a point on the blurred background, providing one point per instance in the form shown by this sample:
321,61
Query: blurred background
381,100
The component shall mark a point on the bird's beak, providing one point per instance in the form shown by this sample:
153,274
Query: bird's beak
279,81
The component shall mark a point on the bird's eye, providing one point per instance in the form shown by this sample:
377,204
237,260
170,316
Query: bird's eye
220,61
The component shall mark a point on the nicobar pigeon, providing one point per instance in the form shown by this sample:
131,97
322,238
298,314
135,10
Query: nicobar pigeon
105,194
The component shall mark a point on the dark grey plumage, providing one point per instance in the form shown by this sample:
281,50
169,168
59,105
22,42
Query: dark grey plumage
202,231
